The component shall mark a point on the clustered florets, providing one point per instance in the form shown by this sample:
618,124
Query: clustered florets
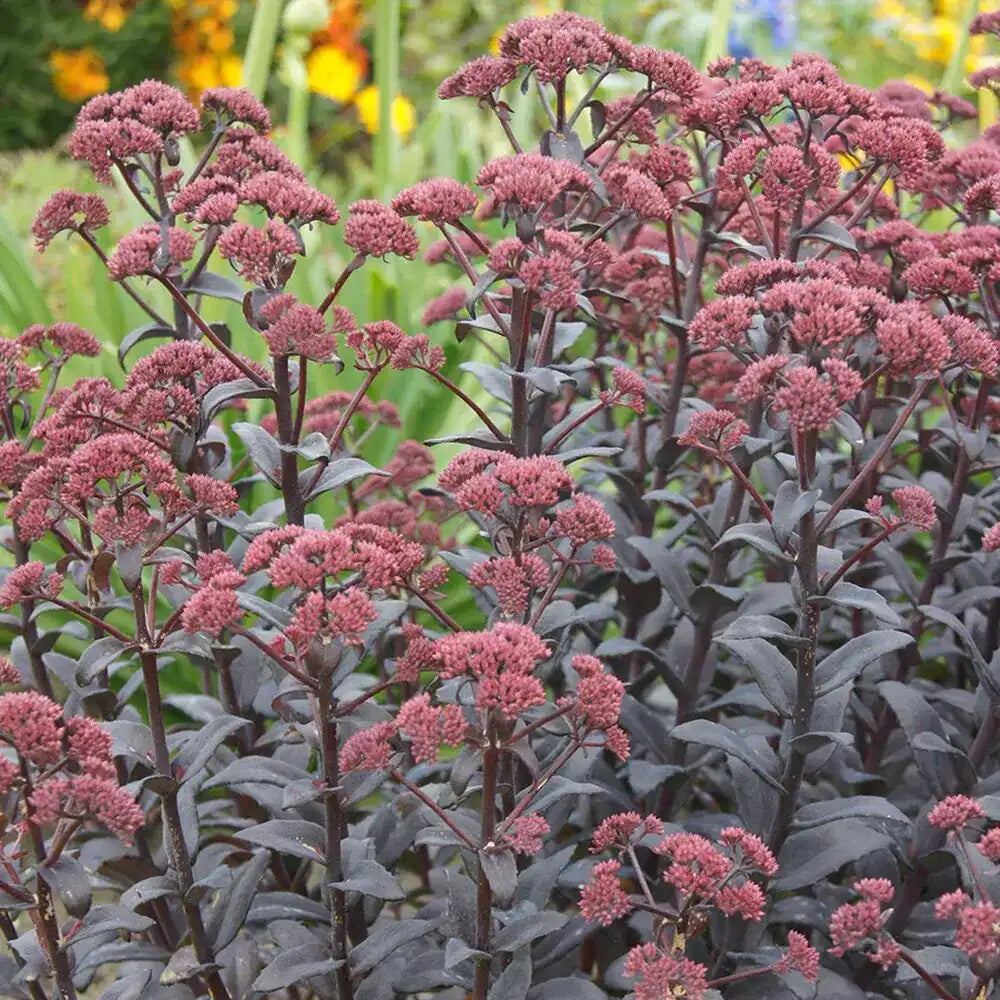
75,779
805,301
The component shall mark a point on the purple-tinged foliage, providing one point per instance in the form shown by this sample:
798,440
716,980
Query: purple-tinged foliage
681,680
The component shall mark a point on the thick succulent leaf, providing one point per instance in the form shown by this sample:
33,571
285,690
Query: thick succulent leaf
295,966
371,879
515,981
289,836
771,669
811,855
711,734
384,938
525,929
844,664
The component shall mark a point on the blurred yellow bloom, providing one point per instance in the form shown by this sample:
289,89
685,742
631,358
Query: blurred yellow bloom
402,112
202,33
220,39
231,70
333,73
934,30
78,73
933,39
109,14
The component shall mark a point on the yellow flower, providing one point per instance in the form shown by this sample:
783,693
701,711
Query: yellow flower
933,40
886,10
333,73
231,70
402,112
78,73
220,39
202,70
110,14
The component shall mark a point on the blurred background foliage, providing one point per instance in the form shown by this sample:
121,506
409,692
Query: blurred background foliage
331,71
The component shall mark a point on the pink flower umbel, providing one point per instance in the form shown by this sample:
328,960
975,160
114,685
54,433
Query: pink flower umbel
856,923
616,832
528,833
234,104
502,661
68,211
375,230
141,251
801,957
479,78
369,749
723,429
661,975
955,813
602,899
439,200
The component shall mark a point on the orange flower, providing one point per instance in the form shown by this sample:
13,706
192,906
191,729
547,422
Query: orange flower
78,73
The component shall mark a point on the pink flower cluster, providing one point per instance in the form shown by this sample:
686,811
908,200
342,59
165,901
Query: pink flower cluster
854,924
76,779
425,725
717,877
661,974
704,874
501,660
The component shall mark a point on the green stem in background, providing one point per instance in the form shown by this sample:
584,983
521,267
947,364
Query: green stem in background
956,65
717,42
298,123
260,45
295,76
387,81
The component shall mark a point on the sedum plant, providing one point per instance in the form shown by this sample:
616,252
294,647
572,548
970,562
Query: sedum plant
679,679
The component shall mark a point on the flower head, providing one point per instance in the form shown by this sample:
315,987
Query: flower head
428,726
617,832
33,723
513,580
235,104
144,251
530,180
375,230
480,78
527,834
602,899
501,660
955,812
855,923
369,749
584,520
721,428
439,200
68,211
262,256
801,957
916,506
723,322
556,45
661,975
296,328
288,198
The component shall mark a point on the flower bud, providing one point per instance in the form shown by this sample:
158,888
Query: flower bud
306,16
